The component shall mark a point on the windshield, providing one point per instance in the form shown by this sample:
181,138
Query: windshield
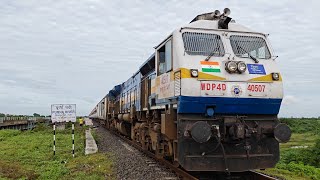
203,44
255,46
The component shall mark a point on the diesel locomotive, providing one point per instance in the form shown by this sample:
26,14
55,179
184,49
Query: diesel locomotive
207,99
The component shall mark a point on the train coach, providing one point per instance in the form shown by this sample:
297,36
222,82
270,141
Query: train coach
206,100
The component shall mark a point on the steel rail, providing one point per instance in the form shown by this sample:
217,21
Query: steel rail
261,176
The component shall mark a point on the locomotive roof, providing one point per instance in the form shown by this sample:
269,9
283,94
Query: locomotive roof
211,21
203,22
147,65
213,25
149,58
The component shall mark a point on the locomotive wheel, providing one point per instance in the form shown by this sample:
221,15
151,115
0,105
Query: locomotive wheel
158,153
176,164
144,144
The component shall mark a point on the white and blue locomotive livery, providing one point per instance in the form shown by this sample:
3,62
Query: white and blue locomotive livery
207,99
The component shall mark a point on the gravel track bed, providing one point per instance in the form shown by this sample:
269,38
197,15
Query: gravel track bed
130,163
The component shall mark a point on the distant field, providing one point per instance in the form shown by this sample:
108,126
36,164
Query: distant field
29,155
300,157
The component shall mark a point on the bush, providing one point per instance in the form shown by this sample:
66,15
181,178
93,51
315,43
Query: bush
301,162
308,156
41,127
316,154
300,169
303,125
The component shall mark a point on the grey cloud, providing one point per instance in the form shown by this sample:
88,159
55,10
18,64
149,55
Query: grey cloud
289,99
55,51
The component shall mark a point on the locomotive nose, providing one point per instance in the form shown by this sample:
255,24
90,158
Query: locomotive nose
282,133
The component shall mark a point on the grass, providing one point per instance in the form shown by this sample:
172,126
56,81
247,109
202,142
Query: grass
29,155
299,163
306,139
294,171
286,174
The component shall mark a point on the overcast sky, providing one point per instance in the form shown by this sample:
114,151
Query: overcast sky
74,51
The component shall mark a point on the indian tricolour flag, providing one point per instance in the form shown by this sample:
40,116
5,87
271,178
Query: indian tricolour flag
210,66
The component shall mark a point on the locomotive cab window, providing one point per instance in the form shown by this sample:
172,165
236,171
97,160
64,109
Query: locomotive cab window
203,44
246,46
165,58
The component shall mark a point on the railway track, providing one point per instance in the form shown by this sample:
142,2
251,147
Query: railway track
249,175
261,176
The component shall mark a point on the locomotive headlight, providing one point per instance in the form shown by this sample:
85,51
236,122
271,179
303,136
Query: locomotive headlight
242,67
231,66
194,72
275,76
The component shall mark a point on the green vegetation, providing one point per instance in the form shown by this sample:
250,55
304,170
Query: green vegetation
36,115
29,155
303,125
300,157
308,155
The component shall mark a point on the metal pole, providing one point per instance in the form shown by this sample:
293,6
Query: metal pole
73,139
54,139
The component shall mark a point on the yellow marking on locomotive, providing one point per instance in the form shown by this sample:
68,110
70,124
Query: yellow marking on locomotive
158,81
171,76
266,78
153,89
205,76
185,73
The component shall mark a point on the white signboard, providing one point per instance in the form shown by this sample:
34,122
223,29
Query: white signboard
63,113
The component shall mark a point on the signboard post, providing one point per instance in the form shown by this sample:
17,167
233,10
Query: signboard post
63,113
54,139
